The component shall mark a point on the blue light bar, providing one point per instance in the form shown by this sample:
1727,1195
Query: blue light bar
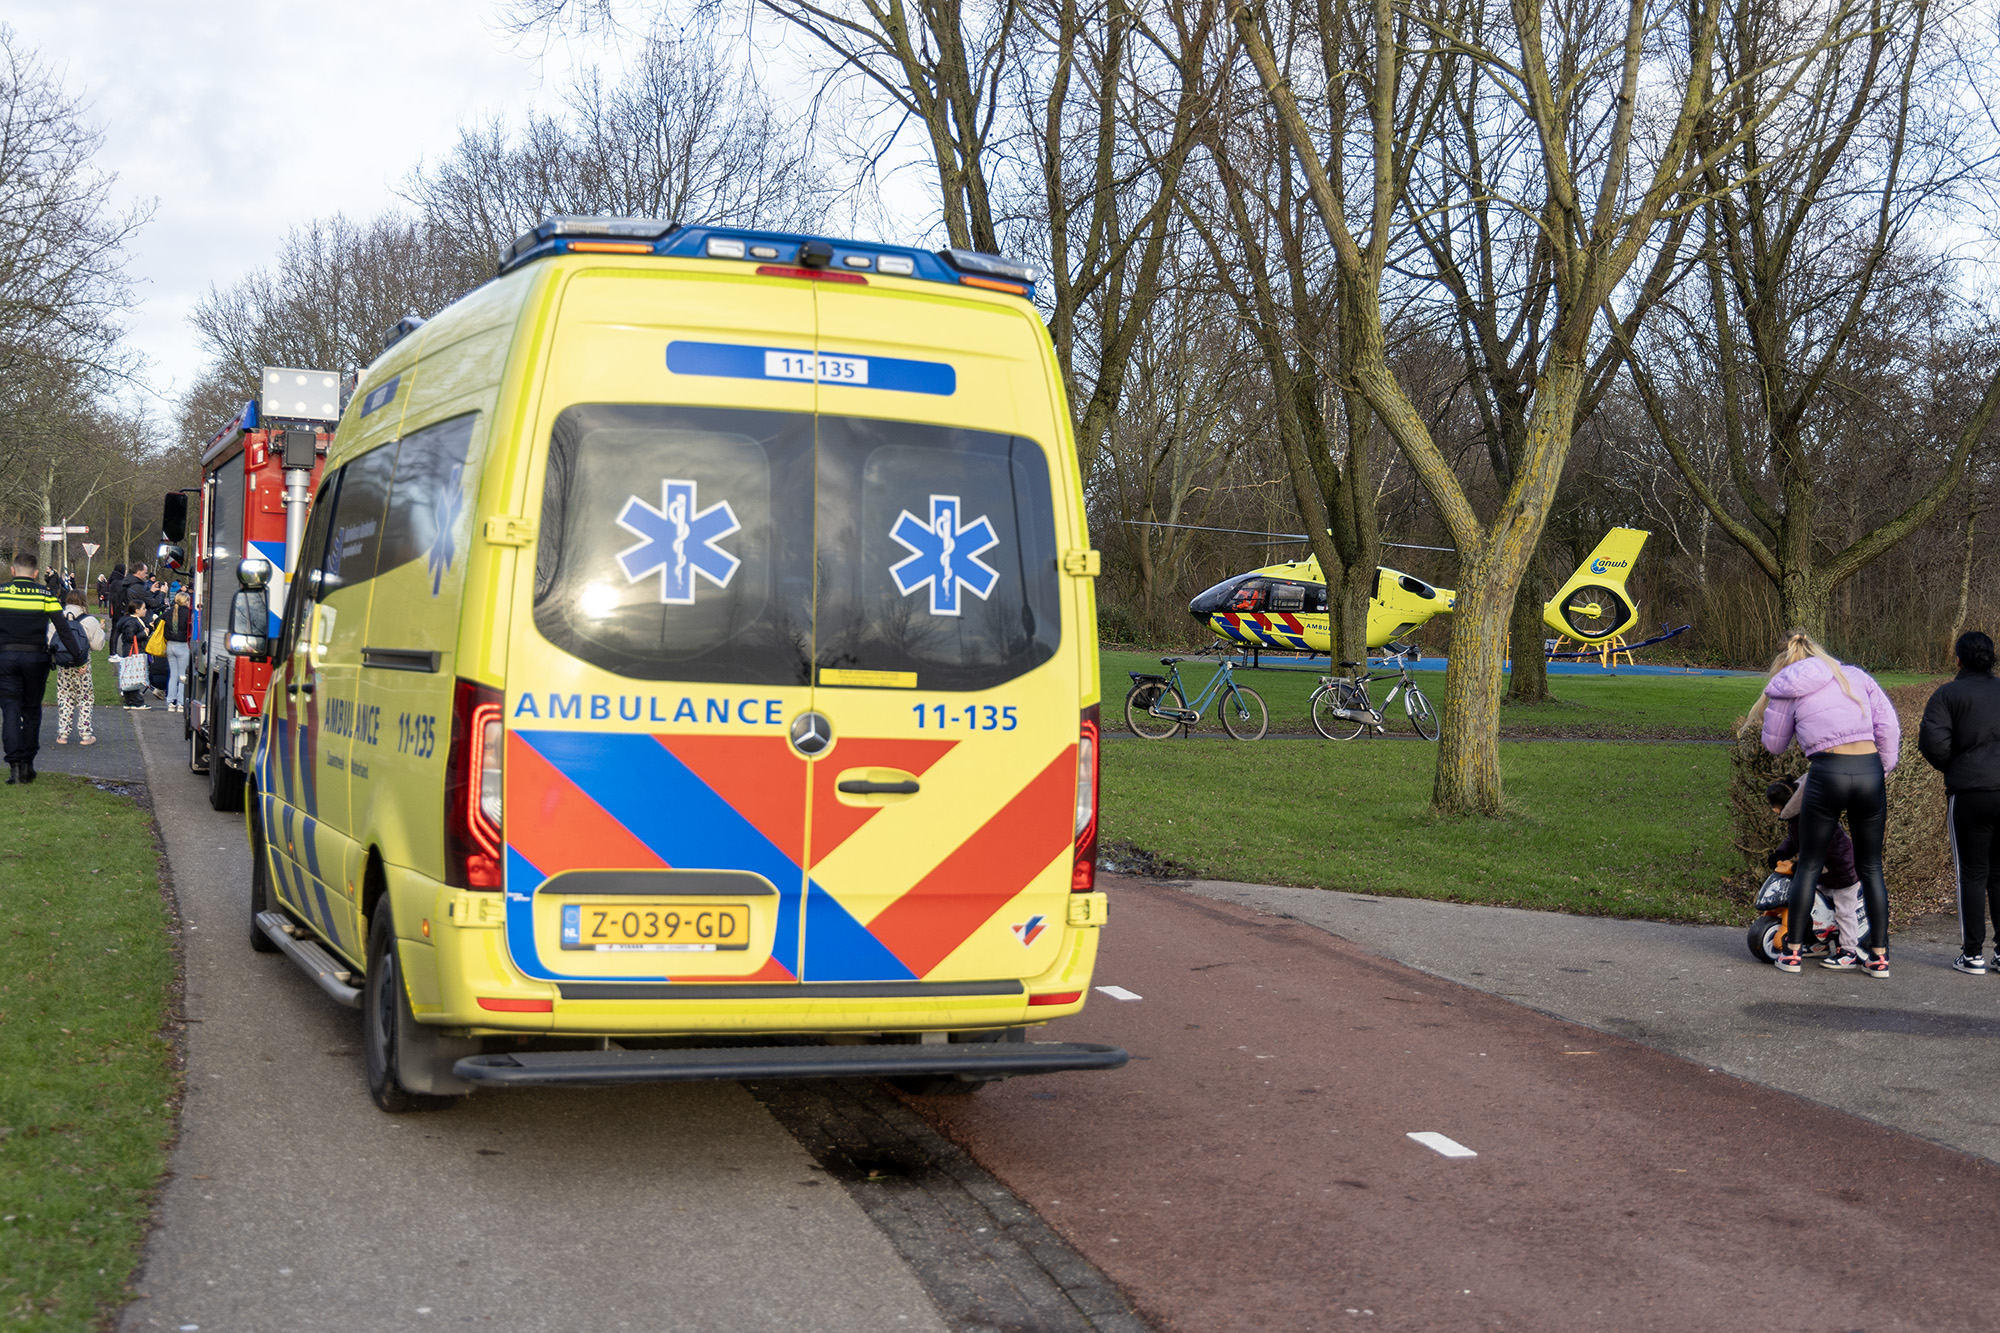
568,235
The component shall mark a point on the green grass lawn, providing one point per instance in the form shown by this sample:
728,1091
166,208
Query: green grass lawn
86,973
1606,705
1610,830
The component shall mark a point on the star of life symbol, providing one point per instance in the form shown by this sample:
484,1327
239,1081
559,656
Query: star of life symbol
679,540
444,520
944,555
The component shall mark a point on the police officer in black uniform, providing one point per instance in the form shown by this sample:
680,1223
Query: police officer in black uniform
26,612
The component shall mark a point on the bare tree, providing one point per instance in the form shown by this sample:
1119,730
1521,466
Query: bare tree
1614,150
336,289
682,137
1808,257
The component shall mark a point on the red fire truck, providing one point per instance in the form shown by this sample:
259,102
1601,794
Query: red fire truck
257,478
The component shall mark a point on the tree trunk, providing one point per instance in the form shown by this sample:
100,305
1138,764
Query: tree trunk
1802,601
1468,771
1350,601
1468,766
1964,592
1528,681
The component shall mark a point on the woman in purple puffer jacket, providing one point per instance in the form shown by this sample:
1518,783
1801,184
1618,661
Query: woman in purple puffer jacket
1848,729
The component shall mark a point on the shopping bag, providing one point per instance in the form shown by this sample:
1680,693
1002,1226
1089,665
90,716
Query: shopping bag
157,645
132,672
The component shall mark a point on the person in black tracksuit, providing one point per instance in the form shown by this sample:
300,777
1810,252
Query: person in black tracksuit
1961,738
128,639
26,613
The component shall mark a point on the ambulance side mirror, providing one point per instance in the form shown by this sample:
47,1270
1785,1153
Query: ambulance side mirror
253,572
249,625
173,557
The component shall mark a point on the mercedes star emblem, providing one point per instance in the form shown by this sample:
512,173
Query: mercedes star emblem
811,733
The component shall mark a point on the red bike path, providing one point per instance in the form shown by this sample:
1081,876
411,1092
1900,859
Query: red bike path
1251,1167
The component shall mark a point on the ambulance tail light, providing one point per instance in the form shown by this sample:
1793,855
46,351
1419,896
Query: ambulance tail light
1083,874
473,781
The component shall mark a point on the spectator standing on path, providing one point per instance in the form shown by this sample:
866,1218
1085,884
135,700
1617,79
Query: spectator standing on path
180,621
128,639
74,695
1960,737
1848,729
26,613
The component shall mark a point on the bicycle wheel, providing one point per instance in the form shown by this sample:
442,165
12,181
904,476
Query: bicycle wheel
1421,717
1326,701
1243,713
1145,696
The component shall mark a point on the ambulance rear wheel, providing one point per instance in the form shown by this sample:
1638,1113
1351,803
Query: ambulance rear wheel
385,1017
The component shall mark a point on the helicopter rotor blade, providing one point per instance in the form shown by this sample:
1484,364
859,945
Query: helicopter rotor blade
1276,539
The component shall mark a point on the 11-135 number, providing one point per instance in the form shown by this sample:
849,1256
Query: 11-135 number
416,733
973,717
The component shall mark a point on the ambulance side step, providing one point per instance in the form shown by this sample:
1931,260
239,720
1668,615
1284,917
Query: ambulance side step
320,965
611,1068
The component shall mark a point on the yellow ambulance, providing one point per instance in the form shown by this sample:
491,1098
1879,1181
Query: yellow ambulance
689,670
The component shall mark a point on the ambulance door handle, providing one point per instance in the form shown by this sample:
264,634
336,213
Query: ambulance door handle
863,787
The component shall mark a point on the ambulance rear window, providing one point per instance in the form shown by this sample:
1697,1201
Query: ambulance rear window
676,542
937,553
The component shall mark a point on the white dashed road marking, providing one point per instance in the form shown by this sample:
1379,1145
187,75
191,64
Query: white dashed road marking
1118,993
1443,1146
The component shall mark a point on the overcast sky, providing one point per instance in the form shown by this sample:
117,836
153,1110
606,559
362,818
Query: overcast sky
243,118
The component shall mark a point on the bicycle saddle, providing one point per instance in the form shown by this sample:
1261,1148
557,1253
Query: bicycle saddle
1353,664
1169,661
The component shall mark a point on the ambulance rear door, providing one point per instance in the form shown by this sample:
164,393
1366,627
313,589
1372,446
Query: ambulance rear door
655,807
943,812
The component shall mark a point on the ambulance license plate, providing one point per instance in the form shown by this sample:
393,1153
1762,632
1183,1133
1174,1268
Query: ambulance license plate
630,927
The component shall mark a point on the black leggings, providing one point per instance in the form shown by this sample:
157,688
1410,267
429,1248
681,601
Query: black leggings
1975,845
1838,784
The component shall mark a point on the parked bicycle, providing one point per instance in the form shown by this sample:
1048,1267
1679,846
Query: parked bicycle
1341,709
1158,708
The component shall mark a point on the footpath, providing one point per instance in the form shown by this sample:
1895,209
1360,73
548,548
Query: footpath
293,1204
1916,1051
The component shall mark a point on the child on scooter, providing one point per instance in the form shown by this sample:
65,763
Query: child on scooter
1786,798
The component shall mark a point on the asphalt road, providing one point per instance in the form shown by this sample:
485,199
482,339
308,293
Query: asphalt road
293,1204
1251,1168
1916,1051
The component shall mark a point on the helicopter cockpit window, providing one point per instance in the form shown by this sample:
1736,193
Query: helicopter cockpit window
1316,597
1248,597
1417,588
1288,597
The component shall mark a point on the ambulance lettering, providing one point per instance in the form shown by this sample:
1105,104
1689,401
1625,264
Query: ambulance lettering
679,541
752,712
944,555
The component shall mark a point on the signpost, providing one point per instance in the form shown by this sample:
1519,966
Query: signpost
58,535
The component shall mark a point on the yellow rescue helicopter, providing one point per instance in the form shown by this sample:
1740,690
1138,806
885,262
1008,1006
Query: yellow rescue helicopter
1283,606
